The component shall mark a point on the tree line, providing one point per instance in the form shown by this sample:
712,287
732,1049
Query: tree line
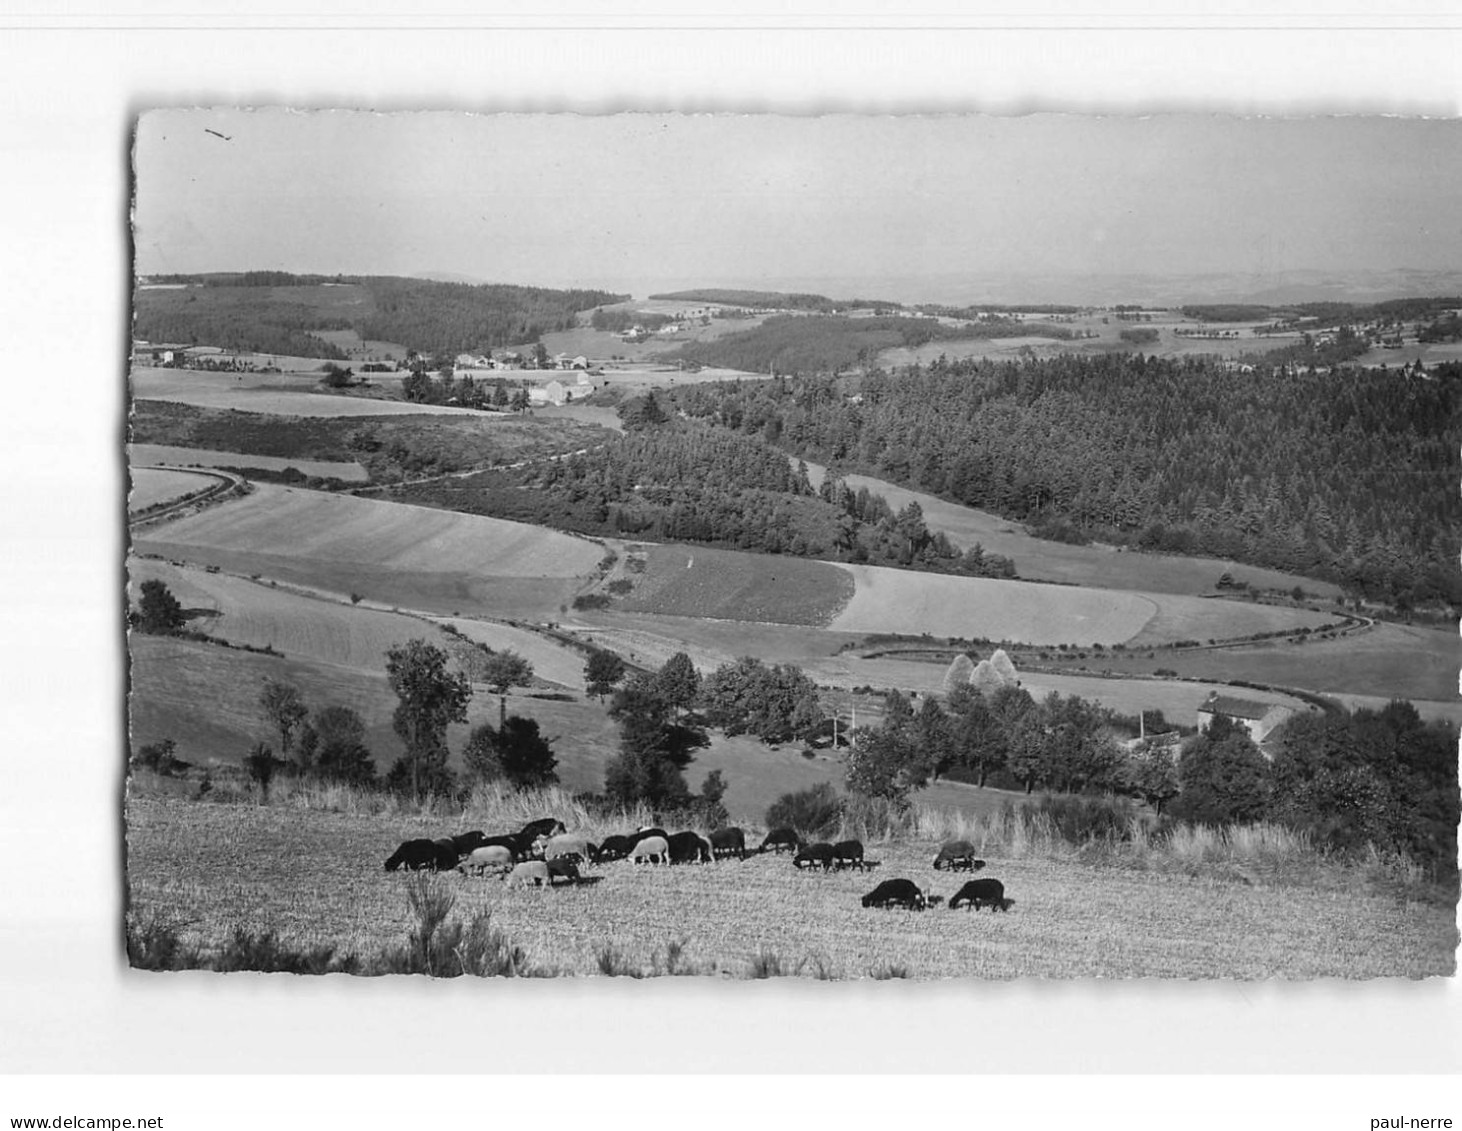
1345,476
266,312
828,344
680,481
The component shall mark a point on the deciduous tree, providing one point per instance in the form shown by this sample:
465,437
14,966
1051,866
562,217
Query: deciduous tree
429,699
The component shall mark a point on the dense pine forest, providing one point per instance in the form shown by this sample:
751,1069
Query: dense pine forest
1348,475
274,312
679,481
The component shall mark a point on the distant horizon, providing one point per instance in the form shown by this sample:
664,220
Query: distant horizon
960,289
937,208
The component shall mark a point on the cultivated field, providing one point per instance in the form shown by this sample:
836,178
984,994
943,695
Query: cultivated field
902,601
271,393
302,627
1102,566
1390,660
553,662
392,553
152,486
204,457
726,585
212,867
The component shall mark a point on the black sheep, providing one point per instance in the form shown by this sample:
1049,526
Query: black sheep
616,847
779,839
545,826
821,853
466,842
728,842
849,854
958,855
689,848
562,868
653,831
896,893
516,843
423,855
982,893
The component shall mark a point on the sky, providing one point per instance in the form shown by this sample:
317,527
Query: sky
639,202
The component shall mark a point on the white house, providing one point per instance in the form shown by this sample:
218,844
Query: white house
1258,719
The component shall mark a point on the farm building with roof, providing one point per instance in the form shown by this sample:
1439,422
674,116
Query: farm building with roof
1259,719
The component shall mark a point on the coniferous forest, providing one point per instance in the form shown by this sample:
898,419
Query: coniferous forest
680,481
1348,475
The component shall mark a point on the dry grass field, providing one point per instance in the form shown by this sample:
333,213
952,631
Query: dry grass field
138,454
316,877
1385,660
392,553
300,626
902,601
695,581
152,486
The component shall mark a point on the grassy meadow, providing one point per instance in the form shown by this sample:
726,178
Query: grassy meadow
315,877
153,486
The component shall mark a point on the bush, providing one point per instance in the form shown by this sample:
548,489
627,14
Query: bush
875,818
1080,819
812,812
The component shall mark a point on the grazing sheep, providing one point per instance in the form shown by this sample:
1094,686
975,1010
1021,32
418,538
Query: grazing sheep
515,843
562,869
653,848
689,848
466,842
494,856
571,845
727,842
530,872
896,893
982,893
422,855
820,853
957,855
779,839
616,847
544,826
649,831
849,854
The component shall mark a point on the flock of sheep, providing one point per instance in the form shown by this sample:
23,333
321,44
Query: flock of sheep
543,852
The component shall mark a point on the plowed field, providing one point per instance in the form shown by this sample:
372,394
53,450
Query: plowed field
414,557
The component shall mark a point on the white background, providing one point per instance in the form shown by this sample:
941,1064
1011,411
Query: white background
71,87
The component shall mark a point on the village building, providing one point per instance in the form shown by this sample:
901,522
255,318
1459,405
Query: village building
1258,719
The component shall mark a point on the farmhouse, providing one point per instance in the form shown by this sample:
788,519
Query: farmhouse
1259,719
557,393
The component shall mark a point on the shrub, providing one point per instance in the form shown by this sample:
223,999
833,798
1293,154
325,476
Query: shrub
263,952
1080,819
766,964
612,962
154,942
874,818
812,812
